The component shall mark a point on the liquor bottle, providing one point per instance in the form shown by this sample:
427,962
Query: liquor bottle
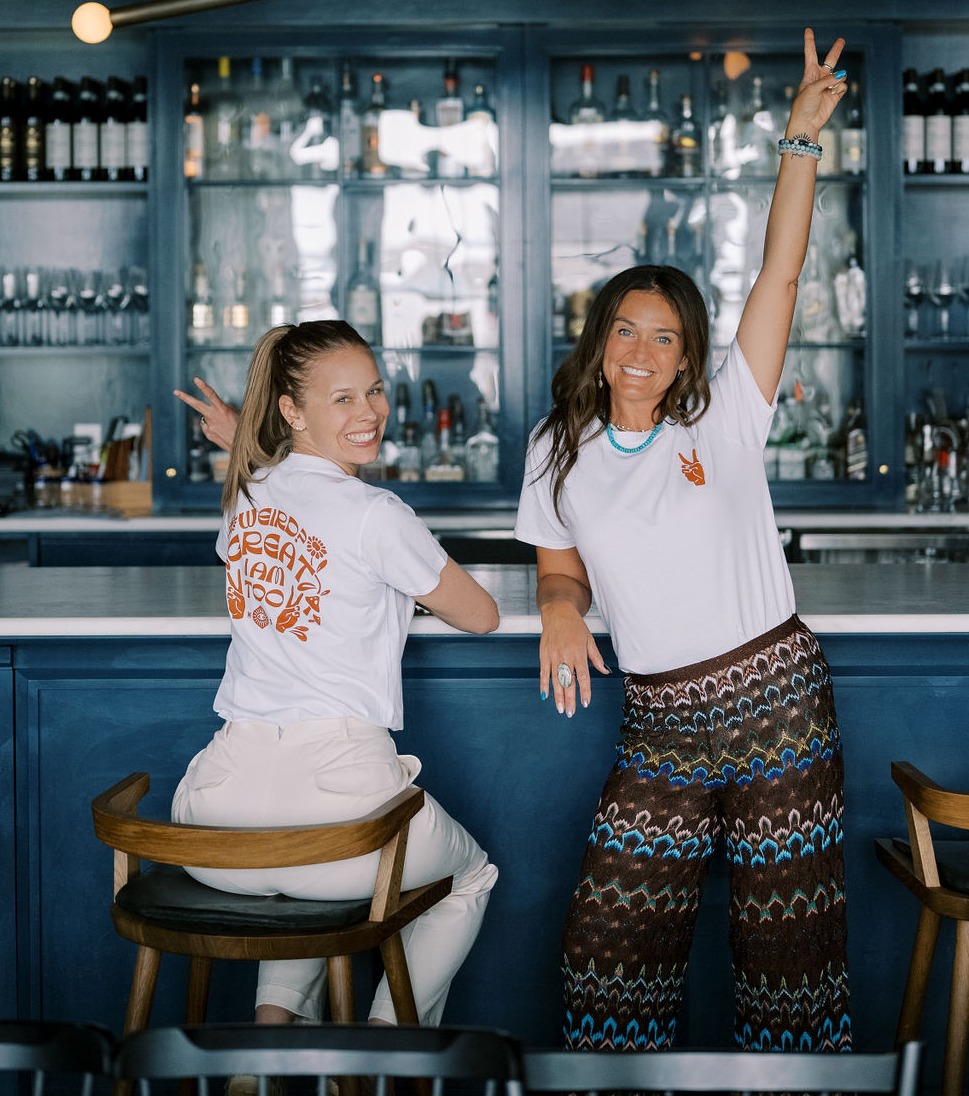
363,297
758,134
350,136
913,124
33,156
960,124
112,132
722,136
317,126
236,318
621,150
256,130
657,128
560,315
449,111
10,121
444,468
480,109
480,106
223,154
458,433
57,131
856,444
938,125
409,455
85,132
370,129
685,142
286,118
482,449
854,141
278,307
201,309
401,407
193,130
587,108
136,132
429,444
622,107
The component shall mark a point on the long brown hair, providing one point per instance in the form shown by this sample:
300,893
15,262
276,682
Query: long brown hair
578,400
281,364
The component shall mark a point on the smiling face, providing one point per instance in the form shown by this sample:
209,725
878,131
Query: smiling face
644,352
344,410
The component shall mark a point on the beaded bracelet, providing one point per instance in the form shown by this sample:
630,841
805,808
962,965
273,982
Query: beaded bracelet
799,146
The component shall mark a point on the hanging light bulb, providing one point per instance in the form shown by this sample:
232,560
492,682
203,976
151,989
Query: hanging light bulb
92,22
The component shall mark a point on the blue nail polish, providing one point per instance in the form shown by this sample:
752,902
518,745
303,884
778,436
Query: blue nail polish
840,74
544,695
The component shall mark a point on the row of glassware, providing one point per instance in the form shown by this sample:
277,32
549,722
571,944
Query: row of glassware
931,290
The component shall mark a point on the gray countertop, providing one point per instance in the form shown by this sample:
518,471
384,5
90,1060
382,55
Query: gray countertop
189,601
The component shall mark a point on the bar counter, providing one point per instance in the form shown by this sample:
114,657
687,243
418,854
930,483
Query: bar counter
105,671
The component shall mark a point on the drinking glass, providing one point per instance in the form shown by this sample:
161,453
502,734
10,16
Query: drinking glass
139,328
914,296
33,315
61,305
942,291
91,303
10,306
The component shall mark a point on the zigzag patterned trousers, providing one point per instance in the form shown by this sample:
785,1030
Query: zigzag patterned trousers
746,745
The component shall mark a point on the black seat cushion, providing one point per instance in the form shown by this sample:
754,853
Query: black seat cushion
170,897
952,858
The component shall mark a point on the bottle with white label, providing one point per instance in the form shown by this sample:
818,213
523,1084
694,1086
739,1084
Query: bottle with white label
938,125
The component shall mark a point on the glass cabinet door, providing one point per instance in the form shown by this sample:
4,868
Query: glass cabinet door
356,185
671,159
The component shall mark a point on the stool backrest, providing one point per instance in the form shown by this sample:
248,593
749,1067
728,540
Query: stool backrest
925,802
117,824
75,1054
722,1071
323,1052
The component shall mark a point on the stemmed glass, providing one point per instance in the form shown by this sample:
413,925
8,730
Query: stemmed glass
914,296
962,287
942,291
34,311
10,306
115,302
90,301
139,331
61,303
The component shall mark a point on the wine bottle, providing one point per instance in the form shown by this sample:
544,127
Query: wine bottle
201,310
960,124
33,156
112,133
370,129
621,149
657,126
449,111
938,125
913,123
57,131
854,142
193,158
622,107
136,132
363,297
85,132
222,127
350,136
10,122
685,142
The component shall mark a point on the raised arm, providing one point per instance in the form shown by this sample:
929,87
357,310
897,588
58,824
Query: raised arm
218,417
765,325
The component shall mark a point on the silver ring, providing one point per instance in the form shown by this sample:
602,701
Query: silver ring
824,64
203,420
564,675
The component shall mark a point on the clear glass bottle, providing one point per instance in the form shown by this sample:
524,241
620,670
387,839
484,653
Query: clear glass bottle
587,110
429,444
482,449
409,455
193,134
657,128
938,125
622,154
443,467
758,133
480,109
136,132
363,297
350,135
854,141
449,111
236,317
57,130
913,123
316,127
257,105
722,135
223,126
685,142
370,129
285,119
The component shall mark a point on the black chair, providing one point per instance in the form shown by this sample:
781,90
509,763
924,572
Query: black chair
75,1054
722,1071
483,1061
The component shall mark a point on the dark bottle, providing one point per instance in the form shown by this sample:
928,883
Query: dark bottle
112,131
10,122
401,407
960,124
853,138
57,130
136,132
85,133
685,142
913,123
938,125
32,132
317,127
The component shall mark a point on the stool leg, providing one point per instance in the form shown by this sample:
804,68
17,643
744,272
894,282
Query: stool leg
954,1067
197,1002
918,976
143,982
339,974
398,979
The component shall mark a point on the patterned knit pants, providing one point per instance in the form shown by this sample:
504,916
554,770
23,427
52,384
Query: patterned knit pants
746,745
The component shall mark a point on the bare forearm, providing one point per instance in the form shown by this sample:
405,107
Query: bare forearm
562,591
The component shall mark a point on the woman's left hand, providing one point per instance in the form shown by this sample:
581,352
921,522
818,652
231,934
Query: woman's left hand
821,88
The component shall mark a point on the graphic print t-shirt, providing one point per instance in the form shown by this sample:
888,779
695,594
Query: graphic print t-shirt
321,573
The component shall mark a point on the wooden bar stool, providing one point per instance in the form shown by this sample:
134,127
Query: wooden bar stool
937,873
163,909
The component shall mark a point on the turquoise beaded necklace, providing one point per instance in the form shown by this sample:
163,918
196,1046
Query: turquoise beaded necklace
650,438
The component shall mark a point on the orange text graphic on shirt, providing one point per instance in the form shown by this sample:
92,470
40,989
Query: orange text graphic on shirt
692,469
273,571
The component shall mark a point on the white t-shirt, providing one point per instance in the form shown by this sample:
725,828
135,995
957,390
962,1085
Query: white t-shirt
321,573
679,540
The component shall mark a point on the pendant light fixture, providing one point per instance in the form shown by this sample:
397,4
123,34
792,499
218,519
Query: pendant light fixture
93,22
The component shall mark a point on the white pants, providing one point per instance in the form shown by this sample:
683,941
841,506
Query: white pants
334,770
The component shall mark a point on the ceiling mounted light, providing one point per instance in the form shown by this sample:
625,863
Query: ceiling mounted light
93,22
